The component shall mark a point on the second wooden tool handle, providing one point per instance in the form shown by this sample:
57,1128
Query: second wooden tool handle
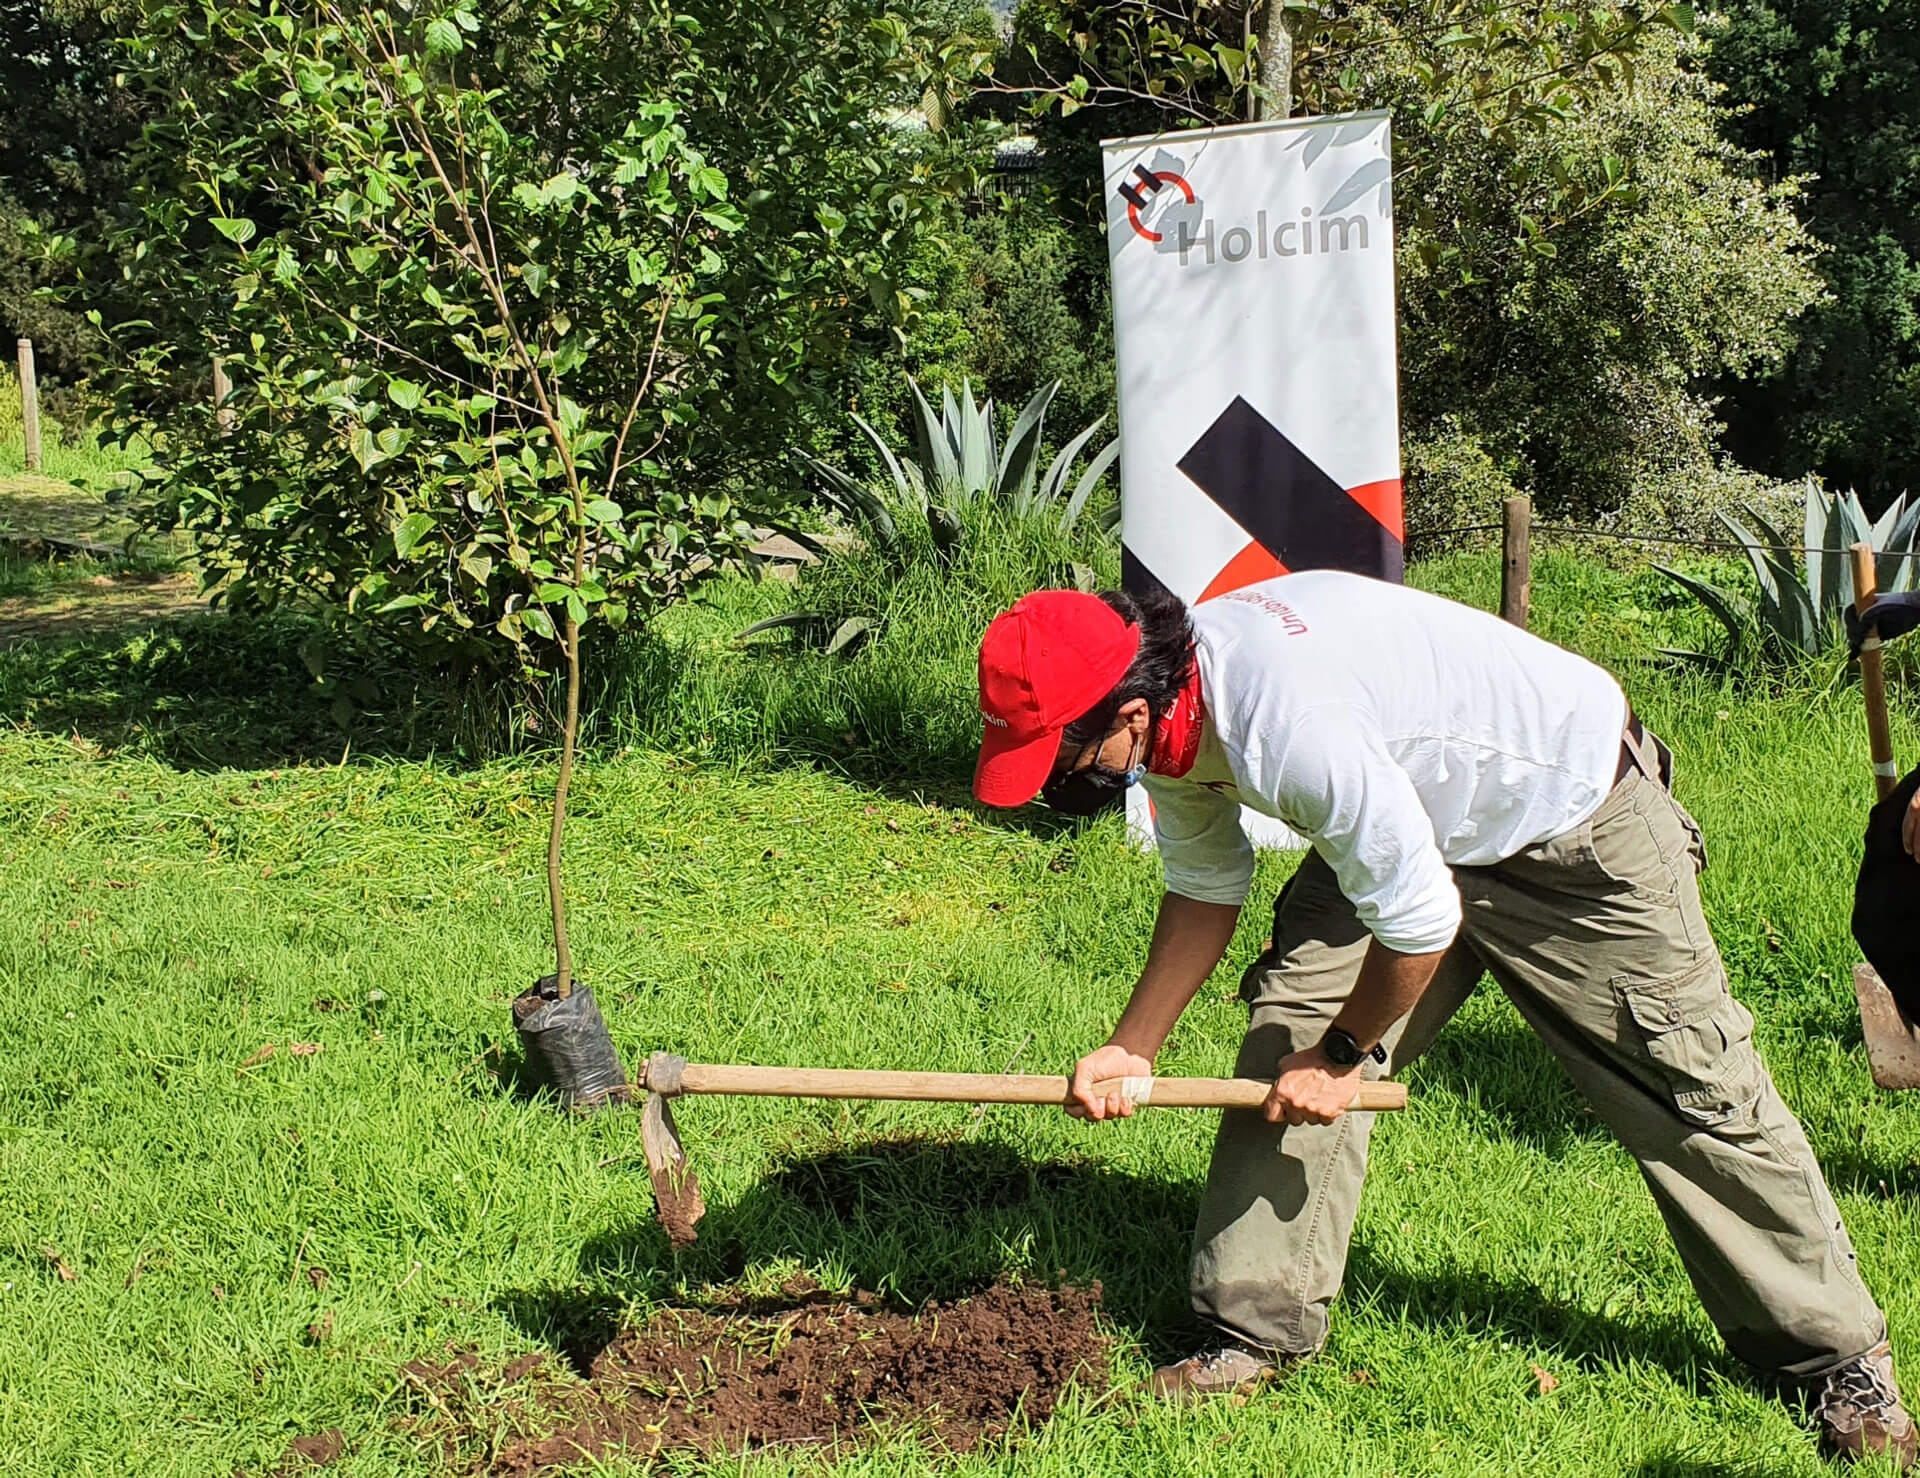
1873,679
825,1082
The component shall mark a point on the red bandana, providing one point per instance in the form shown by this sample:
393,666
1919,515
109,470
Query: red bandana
1177,738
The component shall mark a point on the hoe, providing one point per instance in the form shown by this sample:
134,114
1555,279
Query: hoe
1893,1041
677,1190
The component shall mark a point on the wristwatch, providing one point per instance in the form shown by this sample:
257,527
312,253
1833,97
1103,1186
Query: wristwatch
1340,1048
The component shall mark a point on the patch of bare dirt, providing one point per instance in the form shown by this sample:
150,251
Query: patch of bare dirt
321,1450
99,603
36,507
816,1370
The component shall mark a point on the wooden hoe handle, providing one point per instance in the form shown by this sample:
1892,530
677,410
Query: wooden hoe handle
821,1082
1873,678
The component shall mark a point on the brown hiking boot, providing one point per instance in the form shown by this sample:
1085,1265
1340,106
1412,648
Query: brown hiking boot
1215,1372
1859,1412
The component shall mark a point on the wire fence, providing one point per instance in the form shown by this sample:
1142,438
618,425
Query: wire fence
1631,537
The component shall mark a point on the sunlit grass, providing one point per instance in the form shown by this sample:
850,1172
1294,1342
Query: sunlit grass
181,894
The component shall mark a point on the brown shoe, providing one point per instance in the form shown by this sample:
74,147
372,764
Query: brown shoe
1216,1372
1859,1412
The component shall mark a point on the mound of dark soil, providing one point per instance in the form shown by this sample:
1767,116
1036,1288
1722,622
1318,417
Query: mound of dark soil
321,1450
819,1371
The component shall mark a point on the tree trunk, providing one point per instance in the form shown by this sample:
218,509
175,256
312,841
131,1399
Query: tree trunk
1276,62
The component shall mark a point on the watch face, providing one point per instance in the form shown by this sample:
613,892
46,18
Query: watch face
1340,1048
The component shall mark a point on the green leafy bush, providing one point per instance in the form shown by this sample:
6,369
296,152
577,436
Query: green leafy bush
66,126
519,303
1033,295
1005,295
1829,92
1578,361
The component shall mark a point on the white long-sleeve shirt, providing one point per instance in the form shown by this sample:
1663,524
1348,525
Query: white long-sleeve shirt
1402,733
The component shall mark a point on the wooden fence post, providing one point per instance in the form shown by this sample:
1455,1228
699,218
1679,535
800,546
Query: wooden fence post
1516,560
222,388
1873,678
29,406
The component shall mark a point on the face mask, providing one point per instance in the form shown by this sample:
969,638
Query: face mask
1092,788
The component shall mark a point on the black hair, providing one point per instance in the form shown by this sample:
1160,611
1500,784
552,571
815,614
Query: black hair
1160,668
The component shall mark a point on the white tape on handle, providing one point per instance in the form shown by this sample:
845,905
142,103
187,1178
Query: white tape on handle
1140,1090
1885,769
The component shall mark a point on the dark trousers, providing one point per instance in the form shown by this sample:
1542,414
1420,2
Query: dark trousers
1886,900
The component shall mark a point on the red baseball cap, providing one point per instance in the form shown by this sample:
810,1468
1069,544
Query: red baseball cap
1043,664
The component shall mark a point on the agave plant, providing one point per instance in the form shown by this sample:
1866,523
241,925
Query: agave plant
961,462
1804,592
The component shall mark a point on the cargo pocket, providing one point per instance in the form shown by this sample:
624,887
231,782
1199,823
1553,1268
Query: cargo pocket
1699,1040
1625,846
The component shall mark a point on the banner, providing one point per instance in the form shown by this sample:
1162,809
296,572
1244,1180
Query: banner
1255,334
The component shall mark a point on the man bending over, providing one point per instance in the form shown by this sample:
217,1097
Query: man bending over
1478,801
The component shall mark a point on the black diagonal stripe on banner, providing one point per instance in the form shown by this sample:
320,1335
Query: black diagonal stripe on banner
1136,579
1274,491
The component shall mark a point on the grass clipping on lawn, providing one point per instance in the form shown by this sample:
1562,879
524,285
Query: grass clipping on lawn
818,1370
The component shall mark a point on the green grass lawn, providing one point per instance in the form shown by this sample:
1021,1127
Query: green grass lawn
167,1195
69,453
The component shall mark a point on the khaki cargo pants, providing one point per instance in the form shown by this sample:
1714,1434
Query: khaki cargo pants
1598,938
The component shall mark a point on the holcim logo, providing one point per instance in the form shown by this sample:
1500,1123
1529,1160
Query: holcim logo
1151,182
1258,240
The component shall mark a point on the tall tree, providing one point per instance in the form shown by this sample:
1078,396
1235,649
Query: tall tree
1831,91
66,123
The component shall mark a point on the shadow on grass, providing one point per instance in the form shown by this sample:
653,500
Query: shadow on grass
577,1322
501,1070
1516,1310
939,1219
1681,1465
898,721
1851,1171
212,692
215,691
1498,1064
1508,1076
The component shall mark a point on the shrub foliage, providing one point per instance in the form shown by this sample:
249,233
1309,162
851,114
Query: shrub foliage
519,305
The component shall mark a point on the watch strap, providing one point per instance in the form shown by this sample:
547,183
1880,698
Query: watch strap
1354,1056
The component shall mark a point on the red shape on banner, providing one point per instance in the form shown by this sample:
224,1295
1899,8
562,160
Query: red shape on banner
1153,181
1250,565
1382,500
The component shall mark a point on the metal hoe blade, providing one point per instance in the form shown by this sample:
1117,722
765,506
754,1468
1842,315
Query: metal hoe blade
676,1189
1893,1044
